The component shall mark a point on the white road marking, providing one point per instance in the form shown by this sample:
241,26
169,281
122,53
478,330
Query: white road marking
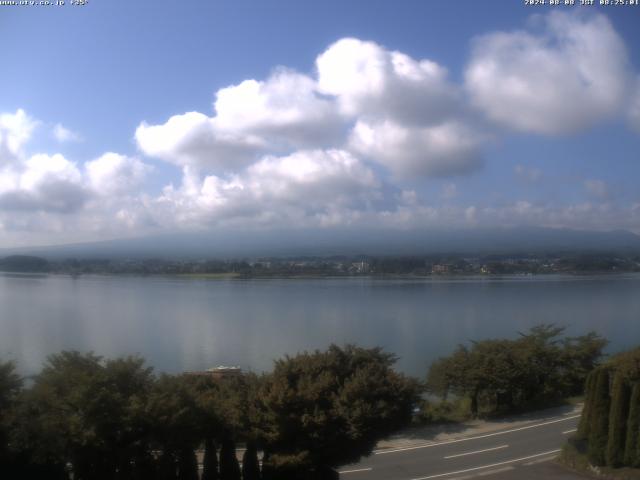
487,466
570,431
477,451
429,445
493,472
541,460
356,470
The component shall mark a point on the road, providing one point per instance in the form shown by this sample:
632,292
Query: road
491,454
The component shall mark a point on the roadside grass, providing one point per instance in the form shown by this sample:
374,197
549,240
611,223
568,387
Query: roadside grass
443,411
458,410
574,457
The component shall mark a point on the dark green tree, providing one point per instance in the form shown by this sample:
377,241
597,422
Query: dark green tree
325,409
585,418
187,464
632,443
250,464
579,356
210,461
229,466
618,415
599,426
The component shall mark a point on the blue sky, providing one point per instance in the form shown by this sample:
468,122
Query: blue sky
329,114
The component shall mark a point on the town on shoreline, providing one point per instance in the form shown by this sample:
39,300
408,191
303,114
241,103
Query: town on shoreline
339,265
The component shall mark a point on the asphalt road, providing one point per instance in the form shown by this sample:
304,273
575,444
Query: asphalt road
498,454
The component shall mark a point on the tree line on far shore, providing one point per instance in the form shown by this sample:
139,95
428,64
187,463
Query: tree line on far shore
114,419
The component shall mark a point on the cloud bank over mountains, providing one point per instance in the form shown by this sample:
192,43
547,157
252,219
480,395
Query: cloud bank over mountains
350,144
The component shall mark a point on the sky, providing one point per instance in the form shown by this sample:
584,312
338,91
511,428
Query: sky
123,119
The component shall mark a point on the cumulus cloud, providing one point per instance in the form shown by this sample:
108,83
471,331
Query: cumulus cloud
52,184
310,184
442,150
192,139
359,84
277,115
15,131
568,77
369,80
284,108
114,174
63,134
48,183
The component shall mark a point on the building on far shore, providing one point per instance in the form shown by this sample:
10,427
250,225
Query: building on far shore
441,268
218,373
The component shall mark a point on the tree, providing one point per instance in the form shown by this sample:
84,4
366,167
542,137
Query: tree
187,464
325,409
83,411
503,374
10,388
229,466
250,464
585,418
210,461
598,428
175,423
632,442
618,414
580,355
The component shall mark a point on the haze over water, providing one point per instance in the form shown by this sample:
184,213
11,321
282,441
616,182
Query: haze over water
185,324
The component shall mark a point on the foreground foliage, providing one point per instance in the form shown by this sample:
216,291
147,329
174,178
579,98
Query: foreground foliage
90,418
609,429
506,375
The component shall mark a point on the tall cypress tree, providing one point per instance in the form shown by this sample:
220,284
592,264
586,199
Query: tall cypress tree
229,466
618,415
210,461
585,420
250,464
187,465
599,423
632,445
167,466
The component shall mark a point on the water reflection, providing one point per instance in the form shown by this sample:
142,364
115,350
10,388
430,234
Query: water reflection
183,324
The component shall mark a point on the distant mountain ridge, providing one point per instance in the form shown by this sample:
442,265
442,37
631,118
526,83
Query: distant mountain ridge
321,242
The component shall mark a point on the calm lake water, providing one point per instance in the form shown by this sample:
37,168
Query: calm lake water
185,324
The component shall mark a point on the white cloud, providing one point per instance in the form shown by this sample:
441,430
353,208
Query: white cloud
369,80
442,150
63,134
567,78
192,139
284,108
43,182
15,131
114,174
306,186
359,83
252,118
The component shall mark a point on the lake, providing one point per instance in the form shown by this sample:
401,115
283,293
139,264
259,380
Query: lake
188,324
